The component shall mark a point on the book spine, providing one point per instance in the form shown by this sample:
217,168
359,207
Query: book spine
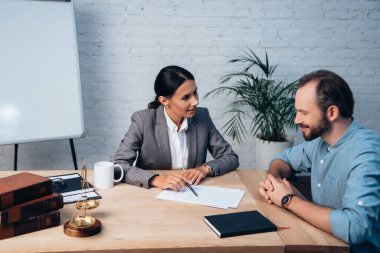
35,223
10,199
24,212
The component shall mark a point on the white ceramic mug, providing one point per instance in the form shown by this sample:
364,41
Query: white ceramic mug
104,174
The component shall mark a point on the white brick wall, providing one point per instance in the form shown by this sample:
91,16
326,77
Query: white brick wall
123,44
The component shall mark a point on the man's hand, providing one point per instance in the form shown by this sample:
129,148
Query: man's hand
266,186
274,189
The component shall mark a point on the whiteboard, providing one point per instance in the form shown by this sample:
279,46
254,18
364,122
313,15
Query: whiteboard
40,92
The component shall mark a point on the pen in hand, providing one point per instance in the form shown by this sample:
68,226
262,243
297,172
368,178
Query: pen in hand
191,188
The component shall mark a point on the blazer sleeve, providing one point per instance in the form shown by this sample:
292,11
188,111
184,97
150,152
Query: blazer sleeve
127,153
225,159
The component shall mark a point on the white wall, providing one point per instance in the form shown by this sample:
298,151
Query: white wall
123,45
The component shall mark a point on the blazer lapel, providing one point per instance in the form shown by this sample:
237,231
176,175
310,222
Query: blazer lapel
161,132
192,143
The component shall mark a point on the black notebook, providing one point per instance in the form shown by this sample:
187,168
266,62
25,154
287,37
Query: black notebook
242,223
70,186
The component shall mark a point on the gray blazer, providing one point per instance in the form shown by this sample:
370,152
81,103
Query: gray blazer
147,145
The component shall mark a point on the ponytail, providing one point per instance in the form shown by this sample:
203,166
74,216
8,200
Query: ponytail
154,104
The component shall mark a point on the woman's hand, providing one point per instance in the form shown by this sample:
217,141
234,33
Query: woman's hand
175,181
195,176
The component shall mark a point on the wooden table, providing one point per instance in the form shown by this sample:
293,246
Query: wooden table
133,220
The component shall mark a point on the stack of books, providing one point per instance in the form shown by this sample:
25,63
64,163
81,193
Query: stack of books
27,204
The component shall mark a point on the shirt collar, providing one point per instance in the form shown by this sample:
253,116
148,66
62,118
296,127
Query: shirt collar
172,126
347,134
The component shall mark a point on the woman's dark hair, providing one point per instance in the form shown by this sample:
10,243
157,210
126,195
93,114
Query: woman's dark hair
168,81
331,90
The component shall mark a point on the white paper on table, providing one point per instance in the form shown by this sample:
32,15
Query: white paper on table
90,194
207,196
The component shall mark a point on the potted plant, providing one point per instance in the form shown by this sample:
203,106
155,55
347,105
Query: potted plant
266,102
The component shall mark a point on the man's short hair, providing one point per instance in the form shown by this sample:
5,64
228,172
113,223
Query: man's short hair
331,90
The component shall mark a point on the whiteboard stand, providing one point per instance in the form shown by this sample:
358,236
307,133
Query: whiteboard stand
16,151
72,154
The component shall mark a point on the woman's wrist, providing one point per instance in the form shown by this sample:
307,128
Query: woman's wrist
206,169
153,181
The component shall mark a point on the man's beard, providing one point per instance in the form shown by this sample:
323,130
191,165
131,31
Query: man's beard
322,127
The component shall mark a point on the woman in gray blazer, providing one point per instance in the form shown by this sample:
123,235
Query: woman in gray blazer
173,133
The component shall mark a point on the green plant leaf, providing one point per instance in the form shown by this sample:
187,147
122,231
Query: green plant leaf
268,103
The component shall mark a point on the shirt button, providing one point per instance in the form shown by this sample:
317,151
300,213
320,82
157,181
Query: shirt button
319,185
321,161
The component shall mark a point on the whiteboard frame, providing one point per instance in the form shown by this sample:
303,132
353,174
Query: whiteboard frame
78,128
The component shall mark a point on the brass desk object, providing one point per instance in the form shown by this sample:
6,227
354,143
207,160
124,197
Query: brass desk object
83,224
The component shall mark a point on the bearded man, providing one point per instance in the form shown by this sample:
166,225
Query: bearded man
343,159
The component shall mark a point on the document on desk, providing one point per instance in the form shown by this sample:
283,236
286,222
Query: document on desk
207,196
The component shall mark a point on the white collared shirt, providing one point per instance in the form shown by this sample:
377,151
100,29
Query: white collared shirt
178,143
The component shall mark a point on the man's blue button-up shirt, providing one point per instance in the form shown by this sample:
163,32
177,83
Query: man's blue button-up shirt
346,178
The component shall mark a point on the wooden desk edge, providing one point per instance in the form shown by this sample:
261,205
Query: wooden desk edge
231,249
